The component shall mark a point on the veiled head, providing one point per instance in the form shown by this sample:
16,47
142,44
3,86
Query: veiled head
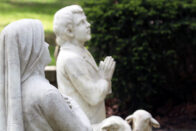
25,41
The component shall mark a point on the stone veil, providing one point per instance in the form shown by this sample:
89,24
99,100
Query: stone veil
27,100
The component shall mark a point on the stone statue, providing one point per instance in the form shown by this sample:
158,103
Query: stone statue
27,101
112,123
78,75
141,120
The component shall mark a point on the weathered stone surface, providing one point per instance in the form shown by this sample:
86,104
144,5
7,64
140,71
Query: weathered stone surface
28,102
78,75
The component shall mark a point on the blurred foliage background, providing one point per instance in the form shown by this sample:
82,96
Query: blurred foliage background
12,10
154,45
152,41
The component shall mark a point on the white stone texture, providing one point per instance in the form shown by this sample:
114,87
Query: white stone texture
142,121
113,123
78,75
27,101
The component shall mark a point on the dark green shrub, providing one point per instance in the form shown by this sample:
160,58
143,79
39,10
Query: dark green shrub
154,45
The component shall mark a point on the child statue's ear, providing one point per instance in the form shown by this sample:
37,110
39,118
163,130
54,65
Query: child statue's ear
69,31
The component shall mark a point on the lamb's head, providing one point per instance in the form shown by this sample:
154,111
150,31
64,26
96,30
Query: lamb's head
142,121
115,123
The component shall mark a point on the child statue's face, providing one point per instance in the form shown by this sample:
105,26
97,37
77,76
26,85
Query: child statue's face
81,28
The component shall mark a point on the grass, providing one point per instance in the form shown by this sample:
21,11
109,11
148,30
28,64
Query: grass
12,10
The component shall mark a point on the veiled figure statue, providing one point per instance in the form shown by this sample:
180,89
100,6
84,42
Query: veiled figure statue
27,101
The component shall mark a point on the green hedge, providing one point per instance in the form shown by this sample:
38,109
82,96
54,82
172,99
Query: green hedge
154,45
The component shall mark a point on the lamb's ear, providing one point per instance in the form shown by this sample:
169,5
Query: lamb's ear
129,118
154,123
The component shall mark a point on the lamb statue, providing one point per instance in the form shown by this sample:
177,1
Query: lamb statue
112,123
142,121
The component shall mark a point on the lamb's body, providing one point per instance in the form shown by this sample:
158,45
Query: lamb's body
113,123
